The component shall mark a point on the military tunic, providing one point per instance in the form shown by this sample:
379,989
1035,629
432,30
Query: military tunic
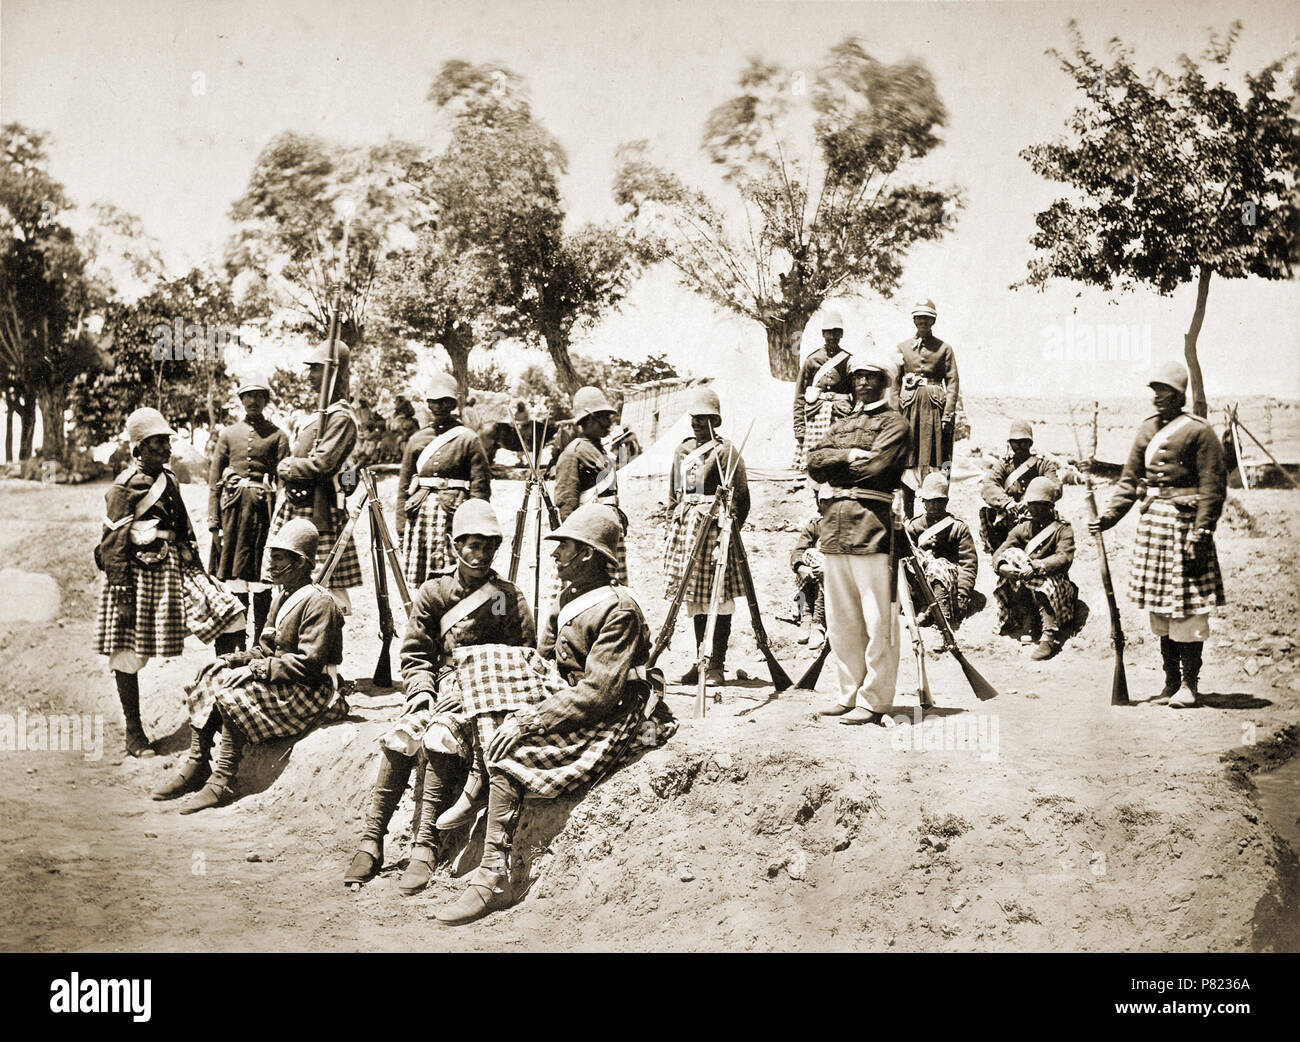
693,481
927,396
586,473
819,402
948,557
1021,601
241,483
1002,489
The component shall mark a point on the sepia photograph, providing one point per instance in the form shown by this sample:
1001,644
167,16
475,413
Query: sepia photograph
737,476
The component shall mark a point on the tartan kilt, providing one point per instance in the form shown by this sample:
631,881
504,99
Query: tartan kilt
682,529
426,542
209,607
1158,580
942,574
817,423
1059,590
265,710
348,572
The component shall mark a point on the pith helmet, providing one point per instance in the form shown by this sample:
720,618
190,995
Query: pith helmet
587,401
251,386
1020,431
1171,374
831,319
869,356
594,525
145,423
705,402
320,354
935,486
1042,490
924,307
475,517
439,385
298,536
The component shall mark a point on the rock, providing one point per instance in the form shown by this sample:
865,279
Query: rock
723,760
1251,665
958,903
926,841
797,865
939,845
685,874
253,857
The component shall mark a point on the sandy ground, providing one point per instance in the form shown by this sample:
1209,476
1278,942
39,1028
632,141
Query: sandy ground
1044,819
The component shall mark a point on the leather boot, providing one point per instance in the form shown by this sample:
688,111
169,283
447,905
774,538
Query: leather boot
443,776
220,787
1169,658
394,776
194,770
718,660
1188,694
365,865
128,693
692,675
261,609
471,799
489,887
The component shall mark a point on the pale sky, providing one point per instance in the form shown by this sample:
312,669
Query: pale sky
161,107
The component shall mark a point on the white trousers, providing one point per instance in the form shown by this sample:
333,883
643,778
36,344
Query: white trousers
862,630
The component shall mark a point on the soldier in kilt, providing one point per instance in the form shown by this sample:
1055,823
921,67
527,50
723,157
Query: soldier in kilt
946,553
808,564
1036,597
927,398
467,605
600,643
1177,471
316,480
1005,484
154,589
283,687
698,468
442,466
241,488
823,392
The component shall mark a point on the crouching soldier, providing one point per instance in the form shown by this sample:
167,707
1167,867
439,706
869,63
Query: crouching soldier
585,472
945,551
154,588
465,605
1034,593
808,564
600,643
1004,486
283,687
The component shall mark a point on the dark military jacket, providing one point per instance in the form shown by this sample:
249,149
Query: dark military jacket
1189,458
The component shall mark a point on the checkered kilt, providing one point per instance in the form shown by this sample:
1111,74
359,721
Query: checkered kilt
426,541
942,574
162,602
815,561
817,422
348,572
1158,580
264,710
682,529
1013,597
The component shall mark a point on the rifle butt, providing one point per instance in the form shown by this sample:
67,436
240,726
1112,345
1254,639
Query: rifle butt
384,668
1119,684
982,688
808,681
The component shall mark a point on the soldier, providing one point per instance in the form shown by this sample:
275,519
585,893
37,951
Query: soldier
154,586
241,484
600,643
808,563
1034,591
698,467
317,478
946,553
282,688
860,464
927,397
824,391
1177,468
585,472
465,605
1005,484
443,465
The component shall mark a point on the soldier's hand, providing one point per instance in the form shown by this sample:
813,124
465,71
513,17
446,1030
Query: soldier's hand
448,704
1094,525
506,738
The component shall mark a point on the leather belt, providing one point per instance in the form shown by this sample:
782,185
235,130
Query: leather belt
439,483
1168,492
828,492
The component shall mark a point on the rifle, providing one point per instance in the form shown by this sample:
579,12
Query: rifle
1119,681
383,676
385,537
809,679
914,631
323,495
982,688
675,605
780,679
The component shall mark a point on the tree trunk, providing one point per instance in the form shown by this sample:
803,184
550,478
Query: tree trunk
458,348
9,426
783,336
1200,406
27,430
557,345
53,402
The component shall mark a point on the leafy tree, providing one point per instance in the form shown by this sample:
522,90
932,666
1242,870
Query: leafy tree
816,225
1174,179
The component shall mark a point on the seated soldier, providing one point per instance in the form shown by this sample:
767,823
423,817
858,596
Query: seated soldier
281,688
466,604
1034,593
599,641
1005,484
946,553
810,600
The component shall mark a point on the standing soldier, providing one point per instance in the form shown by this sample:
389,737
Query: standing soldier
1177,467
927,397
698,466
443,465
585,472
945,551
1005,484
317,479
154,586
824,391
860,463
241,483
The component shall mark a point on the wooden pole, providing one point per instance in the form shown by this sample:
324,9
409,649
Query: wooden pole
1272,459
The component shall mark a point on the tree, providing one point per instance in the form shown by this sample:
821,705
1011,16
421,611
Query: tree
830,222
497,187
1174,180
